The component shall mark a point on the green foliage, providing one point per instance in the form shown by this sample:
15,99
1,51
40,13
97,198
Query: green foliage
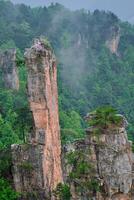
63,192
26,166
72,157
15,116
6,192
7,134
94,185
82,166
15,122
130,131
105,117
133,147
93,76
66,40
20,59
5,162
46,42
71,126
89,75
70,135
8,45
83,171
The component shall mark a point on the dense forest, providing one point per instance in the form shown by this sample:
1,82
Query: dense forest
89,75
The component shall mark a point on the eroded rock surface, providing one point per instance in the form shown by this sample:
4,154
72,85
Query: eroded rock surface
112,42
9,69
45,149
99,167
109,175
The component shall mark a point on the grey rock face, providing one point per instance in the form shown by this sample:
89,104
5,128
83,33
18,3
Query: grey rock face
111,156
27,170
114,161
9,69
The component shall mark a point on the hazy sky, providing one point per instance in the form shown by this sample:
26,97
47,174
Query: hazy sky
123,8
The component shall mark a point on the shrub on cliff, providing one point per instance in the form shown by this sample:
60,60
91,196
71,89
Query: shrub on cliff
105,117
83,173
63,192
46,42
20,59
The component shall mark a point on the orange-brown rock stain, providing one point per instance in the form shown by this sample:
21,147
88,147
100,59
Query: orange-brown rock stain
52,150
43,98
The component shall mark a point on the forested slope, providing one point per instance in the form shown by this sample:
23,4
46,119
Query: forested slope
89,73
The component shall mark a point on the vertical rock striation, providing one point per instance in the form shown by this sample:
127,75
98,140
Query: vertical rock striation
43,98
113,40
109,175
9,69
45,148
99,167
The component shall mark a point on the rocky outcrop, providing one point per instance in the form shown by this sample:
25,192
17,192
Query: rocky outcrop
42,154
9,69
100,166
113,40
28,171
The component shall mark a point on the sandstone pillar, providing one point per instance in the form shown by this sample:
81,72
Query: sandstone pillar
43,98
37,164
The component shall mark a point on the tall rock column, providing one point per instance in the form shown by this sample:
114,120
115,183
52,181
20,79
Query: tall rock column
43,98
9,69
99,167
37,164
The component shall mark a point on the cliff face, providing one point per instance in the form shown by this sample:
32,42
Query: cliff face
45,149
43,98
9,69
113,40
109,175
99,167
